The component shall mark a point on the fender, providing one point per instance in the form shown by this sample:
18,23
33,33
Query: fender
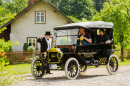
77,56
108,54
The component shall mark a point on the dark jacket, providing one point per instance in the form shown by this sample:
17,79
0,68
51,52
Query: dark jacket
43,44
103,38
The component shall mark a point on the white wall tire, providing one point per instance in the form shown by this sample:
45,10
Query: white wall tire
37,68
82,69
71,68
113,65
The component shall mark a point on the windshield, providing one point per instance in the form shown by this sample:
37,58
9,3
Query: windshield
66,37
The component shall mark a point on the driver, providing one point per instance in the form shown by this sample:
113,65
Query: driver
86,37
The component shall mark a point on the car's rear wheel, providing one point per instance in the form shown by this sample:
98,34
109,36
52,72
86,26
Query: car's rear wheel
113,65
71,68
82,69
37,68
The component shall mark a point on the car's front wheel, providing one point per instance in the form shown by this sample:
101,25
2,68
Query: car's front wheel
113,65
37,68
71,68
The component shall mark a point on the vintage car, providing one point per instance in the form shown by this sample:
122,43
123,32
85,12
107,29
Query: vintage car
73,58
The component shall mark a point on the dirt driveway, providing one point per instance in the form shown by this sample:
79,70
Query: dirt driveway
93,77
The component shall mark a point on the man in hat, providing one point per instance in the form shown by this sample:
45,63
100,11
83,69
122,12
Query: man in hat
45,45
45,42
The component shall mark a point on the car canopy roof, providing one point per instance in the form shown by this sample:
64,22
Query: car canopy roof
86,25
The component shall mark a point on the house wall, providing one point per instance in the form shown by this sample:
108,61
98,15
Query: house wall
24,26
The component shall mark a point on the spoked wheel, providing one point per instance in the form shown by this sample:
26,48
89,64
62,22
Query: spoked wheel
71,68
37,68
113,65
82,69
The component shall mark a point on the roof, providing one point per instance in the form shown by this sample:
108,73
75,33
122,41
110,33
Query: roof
86,25
24,10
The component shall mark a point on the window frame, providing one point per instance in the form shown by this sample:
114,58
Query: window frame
36,46
40,17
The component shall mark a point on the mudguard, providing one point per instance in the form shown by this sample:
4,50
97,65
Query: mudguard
80,59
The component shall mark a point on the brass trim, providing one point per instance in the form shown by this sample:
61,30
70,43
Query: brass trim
55,50
44,54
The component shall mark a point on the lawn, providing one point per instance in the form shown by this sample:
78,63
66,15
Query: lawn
125,63
19,69
25,68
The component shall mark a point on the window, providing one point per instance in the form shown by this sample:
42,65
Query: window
40,17
32,41
67,37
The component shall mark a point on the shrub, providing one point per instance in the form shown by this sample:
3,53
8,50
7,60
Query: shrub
25,46
6,78
6,46
31,48
10,48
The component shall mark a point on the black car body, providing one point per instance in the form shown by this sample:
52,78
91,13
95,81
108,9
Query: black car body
74,58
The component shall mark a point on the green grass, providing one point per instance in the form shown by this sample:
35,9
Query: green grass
19,69
25,68
125,63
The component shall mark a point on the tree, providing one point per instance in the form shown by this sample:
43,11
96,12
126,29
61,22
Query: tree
99,4
77,20
10,8
14,6
118,12
5,17
76,8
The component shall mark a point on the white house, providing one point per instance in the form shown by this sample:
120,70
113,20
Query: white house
32,22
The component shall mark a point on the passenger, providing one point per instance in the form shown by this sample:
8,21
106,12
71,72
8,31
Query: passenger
102,38
86,37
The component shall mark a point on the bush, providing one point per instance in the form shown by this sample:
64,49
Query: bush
8,48
31,48
6,78
25,46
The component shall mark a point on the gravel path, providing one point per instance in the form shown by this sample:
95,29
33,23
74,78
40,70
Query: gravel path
93,77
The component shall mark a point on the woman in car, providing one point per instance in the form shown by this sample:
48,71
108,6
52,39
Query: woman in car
102,38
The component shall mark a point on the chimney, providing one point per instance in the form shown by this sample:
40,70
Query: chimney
30,2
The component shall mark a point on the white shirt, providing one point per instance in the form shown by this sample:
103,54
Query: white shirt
48,43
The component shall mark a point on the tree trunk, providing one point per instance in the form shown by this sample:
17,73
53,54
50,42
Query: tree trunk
122,46
122,53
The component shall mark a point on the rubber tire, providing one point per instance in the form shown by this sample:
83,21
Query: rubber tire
66,65
107,66
32,68
82,73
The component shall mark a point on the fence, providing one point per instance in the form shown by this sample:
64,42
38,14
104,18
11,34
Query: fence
26,56
16,57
